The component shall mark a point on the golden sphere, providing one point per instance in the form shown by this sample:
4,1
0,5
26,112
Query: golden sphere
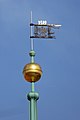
32,72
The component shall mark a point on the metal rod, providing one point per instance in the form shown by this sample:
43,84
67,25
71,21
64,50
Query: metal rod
32,87
36,117
31,39
32,111
32,59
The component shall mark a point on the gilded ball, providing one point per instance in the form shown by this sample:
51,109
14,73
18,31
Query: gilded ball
32,72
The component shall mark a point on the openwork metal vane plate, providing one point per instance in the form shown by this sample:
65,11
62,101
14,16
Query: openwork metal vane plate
43,30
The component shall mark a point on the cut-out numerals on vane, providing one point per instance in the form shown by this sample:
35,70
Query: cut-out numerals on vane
41,22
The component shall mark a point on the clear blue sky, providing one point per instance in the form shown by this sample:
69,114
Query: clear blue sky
59,87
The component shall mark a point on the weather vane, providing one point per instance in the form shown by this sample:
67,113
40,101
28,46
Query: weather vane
32,71
44,30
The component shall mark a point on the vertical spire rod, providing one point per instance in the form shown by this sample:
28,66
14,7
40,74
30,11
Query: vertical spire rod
32,52
31,39
32,87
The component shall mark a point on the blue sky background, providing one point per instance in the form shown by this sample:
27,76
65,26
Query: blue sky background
59,87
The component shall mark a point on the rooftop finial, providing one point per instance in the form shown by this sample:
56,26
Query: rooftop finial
32,71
